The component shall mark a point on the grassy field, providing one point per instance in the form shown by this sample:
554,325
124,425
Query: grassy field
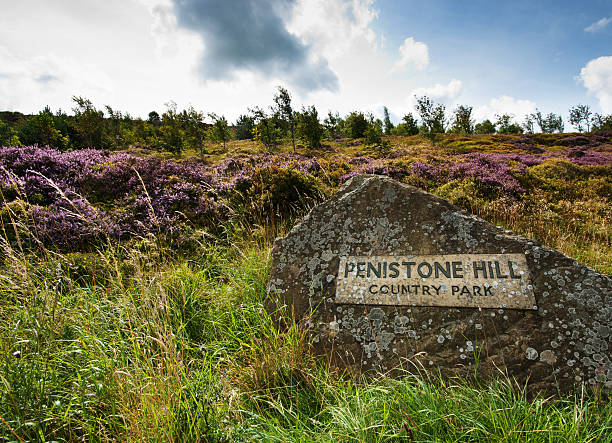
162,335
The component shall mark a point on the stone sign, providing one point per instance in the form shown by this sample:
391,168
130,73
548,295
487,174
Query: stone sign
387,277
468,280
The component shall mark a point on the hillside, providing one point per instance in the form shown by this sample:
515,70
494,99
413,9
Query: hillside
133,285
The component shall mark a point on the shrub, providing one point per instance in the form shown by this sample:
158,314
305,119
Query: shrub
309,128
485,127
275,191
356,125
244,127
373,134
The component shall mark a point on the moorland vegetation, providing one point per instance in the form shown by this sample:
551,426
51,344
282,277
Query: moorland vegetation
136,256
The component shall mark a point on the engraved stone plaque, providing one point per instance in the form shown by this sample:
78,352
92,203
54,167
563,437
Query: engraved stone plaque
465,280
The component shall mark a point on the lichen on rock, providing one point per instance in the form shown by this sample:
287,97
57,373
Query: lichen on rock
564,342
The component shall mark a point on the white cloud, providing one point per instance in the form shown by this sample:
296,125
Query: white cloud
30,83
413,52
333,27
445,94
504,105
597,78
439,92
342,31
598,25
134,56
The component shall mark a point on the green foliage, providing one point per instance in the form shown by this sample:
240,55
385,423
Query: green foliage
284,111
154,118
548,124
432,117
387,121
355,125
463,193
143,132
220,131
113,124
309,128
374,131
172,133
194,129
558,177
244,127
274,192
267,128
602,122
581,117
462,120
485,127
505,125
8,136
409,127
334,125
89,124
41,129
528,124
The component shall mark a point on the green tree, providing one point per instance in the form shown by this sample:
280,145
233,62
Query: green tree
333,124
244,127
143,132
114,123
506,125
8,136
374,130
63,123
432,117
528,124
549,123
485,127
602,122
89,123
309,128
408,127
154,118
171,131
194,129
40,129
266,130
462,120
356,124
387,121
282,100
581,115
219,131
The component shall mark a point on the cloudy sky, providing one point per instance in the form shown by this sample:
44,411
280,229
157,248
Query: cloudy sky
224,56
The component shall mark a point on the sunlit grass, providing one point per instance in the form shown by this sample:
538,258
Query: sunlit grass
184,350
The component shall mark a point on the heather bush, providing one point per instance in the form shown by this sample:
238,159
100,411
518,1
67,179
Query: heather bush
459,192
88,196
274,191
556,168
75,200
493,175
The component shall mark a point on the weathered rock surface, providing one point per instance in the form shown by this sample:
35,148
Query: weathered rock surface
565,341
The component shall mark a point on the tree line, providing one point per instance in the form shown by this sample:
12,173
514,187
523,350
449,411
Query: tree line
189,129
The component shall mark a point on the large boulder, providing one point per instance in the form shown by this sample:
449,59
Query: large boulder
354,271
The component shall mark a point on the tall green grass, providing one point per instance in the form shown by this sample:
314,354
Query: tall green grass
115,345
